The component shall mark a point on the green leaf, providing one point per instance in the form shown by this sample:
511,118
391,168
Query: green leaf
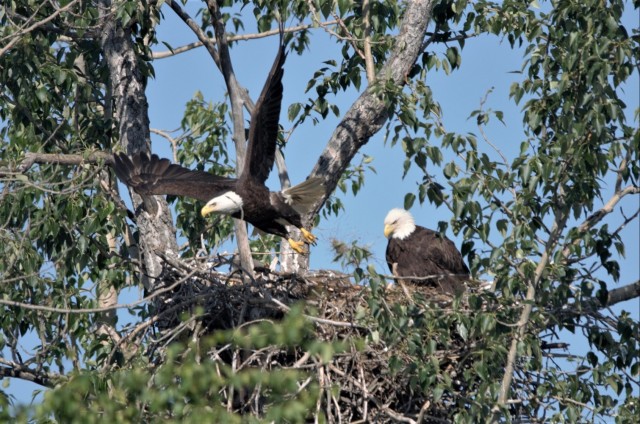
450,170
454,57
409,198
294,110
344,6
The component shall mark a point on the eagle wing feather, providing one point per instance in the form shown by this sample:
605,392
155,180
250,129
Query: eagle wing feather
152,175
264,127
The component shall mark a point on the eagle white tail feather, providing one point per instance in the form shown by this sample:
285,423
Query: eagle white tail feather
302,196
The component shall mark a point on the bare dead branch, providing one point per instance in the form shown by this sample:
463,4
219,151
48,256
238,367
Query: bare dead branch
93,158
236,98
208,43
597,216
177,50
368,56
15,370
174,141
237,37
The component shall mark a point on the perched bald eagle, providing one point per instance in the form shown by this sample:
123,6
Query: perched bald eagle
246,197
415,251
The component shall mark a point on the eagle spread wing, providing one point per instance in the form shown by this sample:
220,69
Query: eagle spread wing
263,130
152,175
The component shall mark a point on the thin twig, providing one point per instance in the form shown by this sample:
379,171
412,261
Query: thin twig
237,37
96,310
285,308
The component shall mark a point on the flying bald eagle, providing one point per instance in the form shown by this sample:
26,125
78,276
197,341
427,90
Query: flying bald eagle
246,197
415,251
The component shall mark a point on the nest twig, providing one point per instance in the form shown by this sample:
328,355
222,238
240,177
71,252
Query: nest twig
356,386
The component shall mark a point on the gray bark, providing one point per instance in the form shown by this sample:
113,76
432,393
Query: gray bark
622,294
368,113
157,233
290,260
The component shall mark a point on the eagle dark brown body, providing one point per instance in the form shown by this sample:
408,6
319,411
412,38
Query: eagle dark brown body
415,251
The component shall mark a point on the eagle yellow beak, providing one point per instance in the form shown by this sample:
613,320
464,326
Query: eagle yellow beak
207,209
388,230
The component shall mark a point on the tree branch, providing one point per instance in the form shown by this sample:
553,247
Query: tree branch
15,370
208,43
368,56
230,38
94,158
349,37
174,141
176,263
370,112
236,98
591,306
622,294
597,216
559,225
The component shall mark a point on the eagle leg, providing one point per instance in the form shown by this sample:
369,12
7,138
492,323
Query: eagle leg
308,237
298,246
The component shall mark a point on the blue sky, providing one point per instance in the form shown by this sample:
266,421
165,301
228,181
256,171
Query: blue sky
487,63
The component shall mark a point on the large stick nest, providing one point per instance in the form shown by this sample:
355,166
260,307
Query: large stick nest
356,386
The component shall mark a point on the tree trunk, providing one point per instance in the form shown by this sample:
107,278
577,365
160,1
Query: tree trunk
157,233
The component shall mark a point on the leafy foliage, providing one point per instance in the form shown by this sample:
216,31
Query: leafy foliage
543,202
189,386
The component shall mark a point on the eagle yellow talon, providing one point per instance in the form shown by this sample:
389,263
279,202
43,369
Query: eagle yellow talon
308,237
298,246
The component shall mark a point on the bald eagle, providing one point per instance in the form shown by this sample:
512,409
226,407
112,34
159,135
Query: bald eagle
246,197
415,251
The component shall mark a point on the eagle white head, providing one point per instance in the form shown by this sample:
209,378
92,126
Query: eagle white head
398,224
227,204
